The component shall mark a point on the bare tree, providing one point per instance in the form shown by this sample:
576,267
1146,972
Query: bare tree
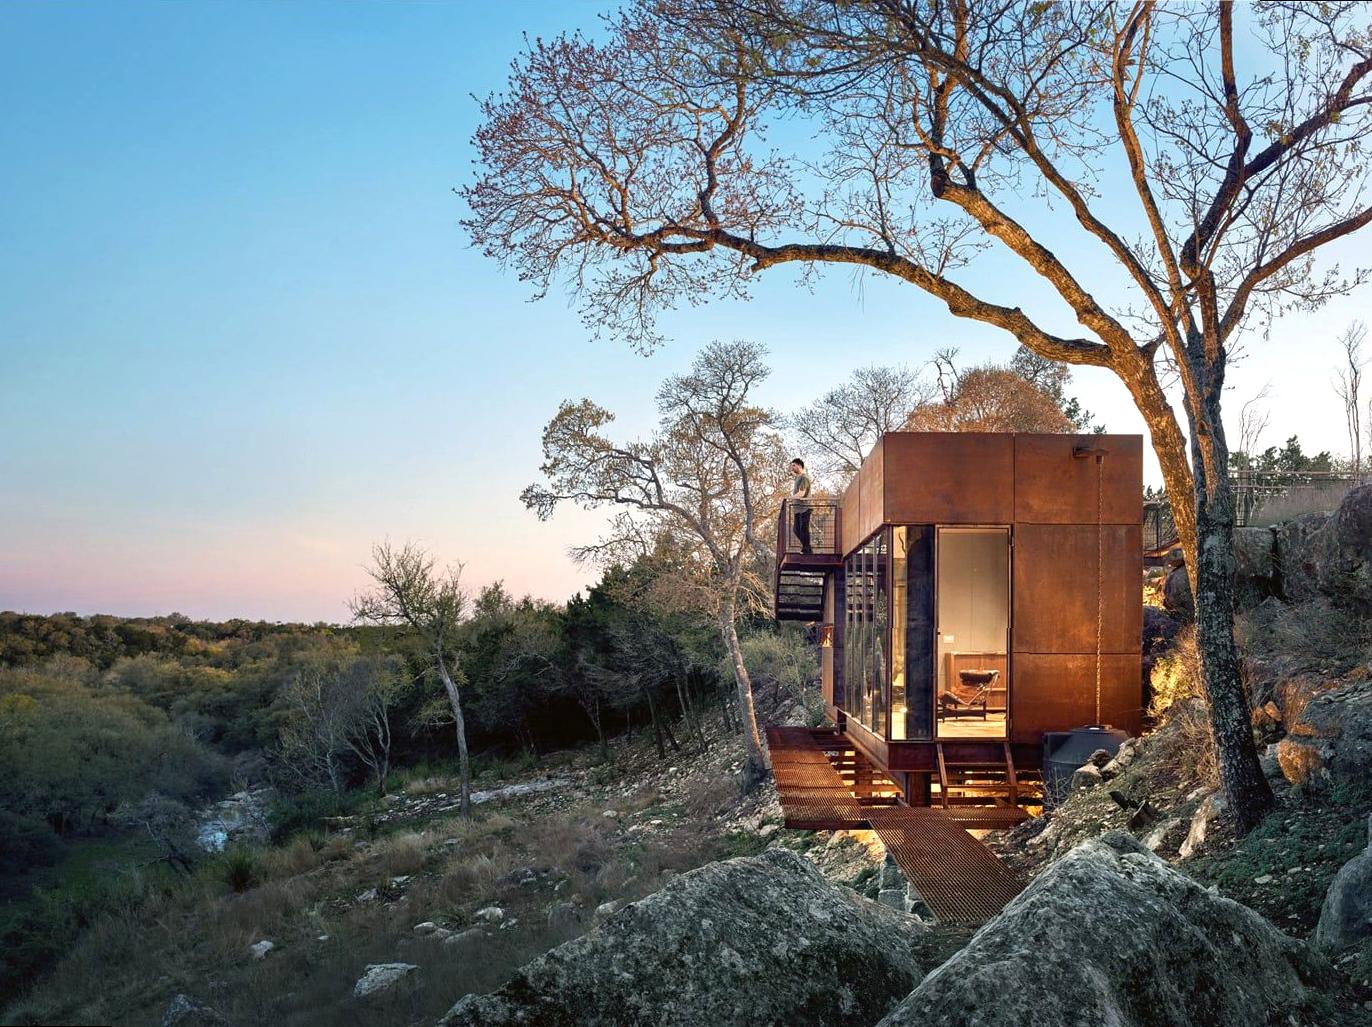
368,689
1348,384
1253,421
709,476
412,592
841,427
632,168
313,742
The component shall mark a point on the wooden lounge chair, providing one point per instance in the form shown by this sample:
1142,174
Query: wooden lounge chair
969,695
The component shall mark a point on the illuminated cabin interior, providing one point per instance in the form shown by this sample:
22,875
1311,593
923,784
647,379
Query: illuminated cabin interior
970,593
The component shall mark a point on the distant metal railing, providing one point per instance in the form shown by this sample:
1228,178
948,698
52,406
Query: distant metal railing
808,527
1159,529
1258,495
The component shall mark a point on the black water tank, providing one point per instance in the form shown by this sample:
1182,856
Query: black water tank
1065,751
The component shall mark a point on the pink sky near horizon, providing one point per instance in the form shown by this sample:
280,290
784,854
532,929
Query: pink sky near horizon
242,337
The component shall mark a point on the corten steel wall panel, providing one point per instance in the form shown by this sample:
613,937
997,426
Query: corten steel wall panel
1057,692
1051,487
870,483
1055,588
949,478
850,518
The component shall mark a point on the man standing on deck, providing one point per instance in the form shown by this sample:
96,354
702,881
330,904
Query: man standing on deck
800,503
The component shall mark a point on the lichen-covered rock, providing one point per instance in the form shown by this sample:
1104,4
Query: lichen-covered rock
1176,593
755,940
1110,934
1300,555
1346,918
184,1011
1329,554
1255,566
1347,574
1332,736
380,977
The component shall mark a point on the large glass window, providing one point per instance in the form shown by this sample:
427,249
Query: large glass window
973,632
866,634
912,631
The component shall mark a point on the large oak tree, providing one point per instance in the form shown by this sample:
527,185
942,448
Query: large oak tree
1205,174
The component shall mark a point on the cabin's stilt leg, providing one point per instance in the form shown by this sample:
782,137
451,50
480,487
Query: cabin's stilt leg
1011,783
942,776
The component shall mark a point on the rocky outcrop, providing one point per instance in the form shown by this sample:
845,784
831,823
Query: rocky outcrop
184,1011
1176,593
241,818
1346,918
1110,934
379,977
1331,736
1299,555
1331,555
754,940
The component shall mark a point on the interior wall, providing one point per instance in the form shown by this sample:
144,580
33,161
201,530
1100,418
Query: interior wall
973,592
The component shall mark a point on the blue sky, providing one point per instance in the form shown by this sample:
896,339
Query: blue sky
242,335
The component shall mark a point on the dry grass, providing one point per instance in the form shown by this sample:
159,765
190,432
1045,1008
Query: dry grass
404,854
1176,675
195,937
431,786
1301,499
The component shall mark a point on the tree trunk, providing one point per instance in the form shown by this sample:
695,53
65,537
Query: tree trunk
688,709
1205,527
1212,589
657,728
755,764
463,762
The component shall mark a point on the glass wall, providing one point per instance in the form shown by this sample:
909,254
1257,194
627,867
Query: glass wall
904,677
866,631
912,631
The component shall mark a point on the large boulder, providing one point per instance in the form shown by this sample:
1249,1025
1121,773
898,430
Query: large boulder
1176,593
1110,934
1300,555
1329,554
1331,736
1348,544
1255,566
1346,919
755,940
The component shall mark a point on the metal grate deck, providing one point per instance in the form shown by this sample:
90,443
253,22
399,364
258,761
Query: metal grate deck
813,796
960,879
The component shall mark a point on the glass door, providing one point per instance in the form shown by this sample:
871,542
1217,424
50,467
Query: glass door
972,666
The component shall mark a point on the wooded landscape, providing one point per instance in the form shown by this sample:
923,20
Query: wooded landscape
888,669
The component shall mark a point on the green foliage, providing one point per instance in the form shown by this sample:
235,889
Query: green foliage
240,870
1289,457
784,667
305,812
72,750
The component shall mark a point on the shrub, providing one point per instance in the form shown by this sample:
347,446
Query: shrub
297,814
1176,674
240,869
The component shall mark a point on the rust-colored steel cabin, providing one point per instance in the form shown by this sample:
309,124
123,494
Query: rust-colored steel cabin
958,585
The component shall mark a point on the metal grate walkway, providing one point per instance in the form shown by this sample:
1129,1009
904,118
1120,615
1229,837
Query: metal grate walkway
959,878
